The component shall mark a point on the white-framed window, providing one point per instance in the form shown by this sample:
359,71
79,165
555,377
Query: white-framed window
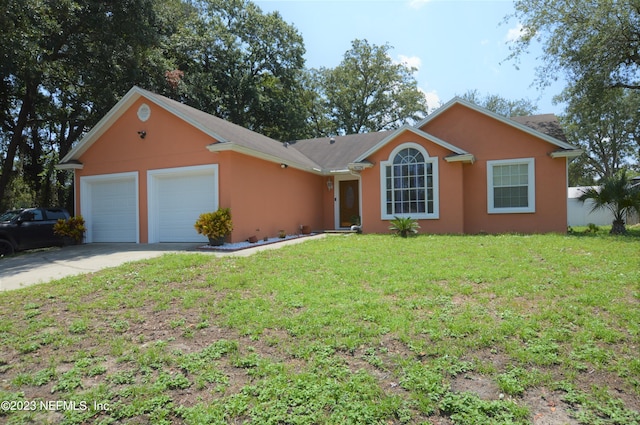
511,186
409,183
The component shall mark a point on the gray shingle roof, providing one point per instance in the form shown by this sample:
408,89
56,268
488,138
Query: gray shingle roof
544,123
344,150
226,132
317,155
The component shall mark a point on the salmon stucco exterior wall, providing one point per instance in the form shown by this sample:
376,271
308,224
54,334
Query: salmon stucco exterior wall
169,143
450,189
491,140
264,198
181,160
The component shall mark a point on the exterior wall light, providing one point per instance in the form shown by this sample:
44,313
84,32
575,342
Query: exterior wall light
329,184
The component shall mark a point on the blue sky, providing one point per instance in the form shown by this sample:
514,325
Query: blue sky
456,45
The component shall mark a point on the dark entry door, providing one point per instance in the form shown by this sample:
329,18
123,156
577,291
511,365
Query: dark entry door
349,203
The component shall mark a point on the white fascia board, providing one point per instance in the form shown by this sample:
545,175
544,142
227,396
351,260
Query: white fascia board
461,158
230,146
359,166
69,166
102,125
569,153
498,117
417,132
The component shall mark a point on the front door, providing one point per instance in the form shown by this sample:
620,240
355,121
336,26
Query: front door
349,197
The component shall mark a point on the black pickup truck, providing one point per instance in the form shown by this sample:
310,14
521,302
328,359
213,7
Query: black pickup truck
29,228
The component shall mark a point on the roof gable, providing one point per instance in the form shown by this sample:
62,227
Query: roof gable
225,135
454,149
518,123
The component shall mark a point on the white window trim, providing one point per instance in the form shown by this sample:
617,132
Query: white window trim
531,189
433,160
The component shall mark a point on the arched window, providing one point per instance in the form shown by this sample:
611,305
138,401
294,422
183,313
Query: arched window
409,183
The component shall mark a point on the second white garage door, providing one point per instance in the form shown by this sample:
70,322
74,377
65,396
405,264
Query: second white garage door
176,197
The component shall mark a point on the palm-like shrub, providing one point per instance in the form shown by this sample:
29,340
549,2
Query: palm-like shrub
404,226
618,195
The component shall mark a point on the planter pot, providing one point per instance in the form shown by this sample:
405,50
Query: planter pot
216,241
306,230
252,239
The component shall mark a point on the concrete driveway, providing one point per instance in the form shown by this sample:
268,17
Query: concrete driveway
39,266
32,267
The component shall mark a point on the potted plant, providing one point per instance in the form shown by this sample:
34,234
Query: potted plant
215,225
72,228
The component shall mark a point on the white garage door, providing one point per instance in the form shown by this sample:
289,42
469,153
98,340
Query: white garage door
177,197
110,207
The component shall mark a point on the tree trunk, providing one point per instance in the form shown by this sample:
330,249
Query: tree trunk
17,139
618,228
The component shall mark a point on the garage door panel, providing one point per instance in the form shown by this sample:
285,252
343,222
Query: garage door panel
179,196
110,206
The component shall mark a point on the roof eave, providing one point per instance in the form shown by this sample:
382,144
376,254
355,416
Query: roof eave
416,131
119,109
566,153
466,158
230,146
69,166
359,166
114,113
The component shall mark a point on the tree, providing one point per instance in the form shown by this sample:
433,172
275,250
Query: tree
604,122
64,63
367,92
596,45
618,195
597,40
241,65
500,105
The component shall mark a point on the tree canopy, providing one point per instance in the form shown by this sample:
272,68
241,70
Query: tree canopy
595,46
60,74
366,92
585,39
241,65
604,122
500,105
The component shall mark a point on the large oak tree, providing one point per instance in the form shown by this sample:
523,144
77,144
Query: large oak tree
63,64
367,91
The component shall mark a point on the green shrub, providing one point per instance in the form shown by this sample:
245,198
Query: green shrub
404,226
215,225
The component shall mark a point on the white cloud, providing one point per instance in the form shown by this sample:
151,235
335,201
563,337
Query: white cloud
410,61
417,4
515,33
433,100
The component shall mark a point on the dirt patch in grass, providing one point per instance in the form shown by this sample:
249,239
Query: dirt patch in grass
164,347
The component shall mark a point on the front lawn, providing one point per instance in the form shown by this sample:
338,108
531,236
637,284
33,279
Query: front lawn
360,329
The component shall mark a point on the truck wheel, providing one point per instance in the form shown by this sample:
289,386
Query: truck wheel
6,248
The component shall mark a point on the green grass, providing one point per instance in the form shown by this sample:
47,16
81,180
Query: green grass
357,329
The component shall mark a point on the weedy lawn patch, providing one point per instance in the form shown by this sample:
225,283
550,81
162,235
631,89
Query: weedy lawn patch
506,329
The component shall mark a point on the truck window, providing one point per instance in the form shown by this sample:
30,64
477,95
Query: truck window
55,213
